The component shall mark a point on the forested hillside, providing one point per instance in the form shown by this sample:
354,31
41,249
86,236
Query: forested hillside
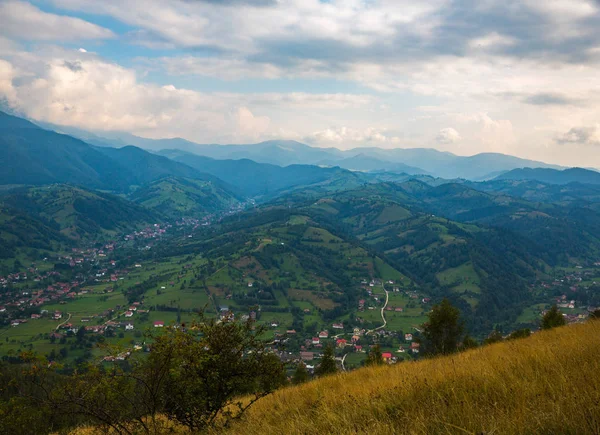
78,213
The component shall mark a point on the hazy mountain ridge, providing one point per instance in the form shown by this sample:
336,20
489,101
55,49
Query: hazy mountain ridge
288,152
553,176
260,179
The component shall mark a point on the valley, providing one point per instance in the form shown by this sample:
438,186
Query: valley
319,256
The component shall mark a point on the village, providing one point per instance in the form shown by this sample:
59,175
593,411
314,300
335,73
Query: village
84,292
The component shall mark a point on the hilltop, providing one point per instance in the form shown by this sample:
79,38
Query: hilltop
544,384
175,197
553,176
76,212
33,156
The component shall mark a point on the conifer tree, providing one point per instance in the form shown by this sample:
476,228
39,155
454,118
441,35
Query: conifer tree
374,358
469,342
328,365
553,318
443,332
300,375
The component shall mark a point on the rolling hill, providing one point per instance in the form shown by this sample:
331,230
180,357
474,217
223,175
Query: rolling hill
264,179
30,155
572,194
365,162
184,197
20,233
78,213
553,176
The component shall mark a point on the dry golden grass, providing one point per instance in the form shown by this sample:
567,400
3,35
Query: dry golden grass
547,384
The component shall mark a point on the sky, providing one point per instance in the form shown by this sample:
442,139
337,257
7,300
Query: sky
465,76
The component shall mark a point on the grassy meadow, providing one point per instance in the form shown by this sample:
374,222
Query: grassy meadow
546,384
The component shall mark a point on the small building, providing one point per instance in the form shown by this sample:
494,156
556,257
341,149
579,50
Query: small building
159,324
307,356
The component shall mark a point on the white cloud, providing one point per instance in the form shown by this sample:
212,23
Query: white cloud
517,84
80,89
346,137
7,74
199,23
22,20
581,136
448,136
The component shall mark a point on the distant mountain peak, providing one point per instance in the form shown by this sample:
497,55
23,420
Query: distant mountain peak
10,121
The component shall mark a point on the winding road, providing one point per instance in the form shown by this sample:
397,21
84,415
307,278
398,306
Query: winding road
344,359
68,318
387,298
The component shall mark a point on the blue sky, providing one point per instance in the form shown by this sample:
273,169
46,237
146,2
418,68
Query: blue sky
517,77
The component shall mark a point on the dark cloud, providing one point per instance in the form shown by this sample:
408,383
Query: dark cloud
73,66
580,136
534,35
550,99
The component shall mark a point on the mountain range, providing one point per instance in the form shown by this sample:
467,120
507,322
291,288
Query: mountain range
289,152
552,176
319,228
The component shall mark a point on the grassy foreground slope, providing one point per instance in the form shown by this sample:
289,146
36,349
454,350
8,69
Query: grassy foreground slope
545,384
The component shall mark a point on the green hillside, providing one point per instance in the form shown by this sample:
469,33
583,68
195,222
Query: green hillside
268,180
79,213
33,156
176,197
21,233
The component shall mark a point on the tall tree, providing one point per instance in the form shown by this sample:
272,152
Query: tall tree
328,365
443,332
553,318
374,358
469,342
300,375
